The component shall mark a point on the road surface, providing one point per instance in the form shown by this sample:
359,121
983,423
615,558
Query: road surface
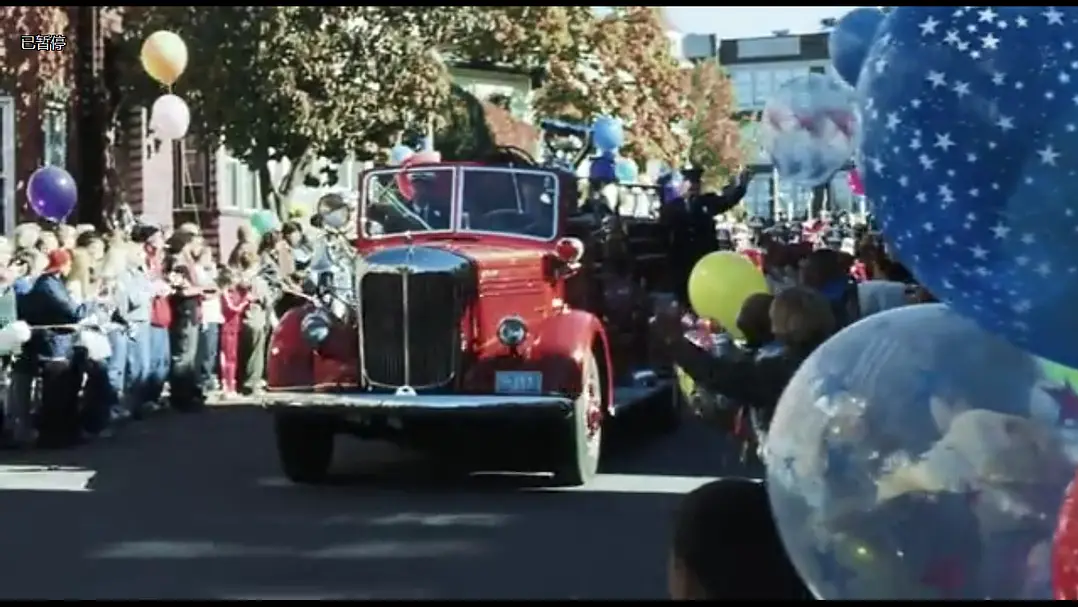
193,507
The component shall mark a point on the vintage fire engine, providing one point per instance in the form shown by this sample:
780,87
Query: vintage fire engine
482,314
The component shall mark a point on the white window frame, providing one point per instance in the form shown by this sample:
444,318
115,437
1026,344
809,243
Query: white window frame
182,165
8,142
238,188
54,113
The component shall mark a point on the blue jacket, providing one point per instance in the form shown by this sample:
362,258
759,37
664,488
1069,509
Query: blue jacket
134,297
49,303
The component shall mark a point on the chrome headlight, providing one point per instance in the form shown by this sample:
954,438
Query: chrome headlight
512,331
315,327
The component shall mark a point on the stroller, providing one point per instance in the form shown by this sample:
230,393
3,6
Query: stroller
22,380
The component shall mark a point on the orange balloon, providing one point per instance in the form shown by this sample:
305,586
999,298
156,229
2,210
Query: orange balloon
164,57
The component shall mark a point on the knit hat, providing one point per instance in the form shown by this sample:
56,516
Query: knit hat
58,258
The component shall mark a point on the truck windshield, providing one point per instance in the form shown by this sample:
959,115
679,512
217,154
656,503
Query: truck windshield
517,202
410,200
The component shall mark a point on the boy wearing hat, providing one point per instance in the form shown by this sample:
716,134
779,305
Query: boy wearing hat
49,304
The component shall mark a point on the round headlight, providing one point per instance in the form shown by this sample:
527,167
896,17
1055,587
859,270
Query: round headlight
315,328
512,331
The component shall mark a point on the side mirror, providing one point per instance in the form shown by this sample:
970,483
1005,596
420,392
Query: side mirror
334,212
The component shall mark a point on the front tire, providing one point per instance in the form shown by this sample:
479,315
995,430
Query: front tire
304,446
580,453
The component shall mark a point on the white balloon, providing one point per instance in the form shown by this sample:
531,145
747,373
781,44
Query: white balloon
399,154
170,118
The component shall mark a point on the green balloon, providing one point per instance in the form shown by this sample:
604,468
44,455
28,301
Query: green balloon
264,221
1057,373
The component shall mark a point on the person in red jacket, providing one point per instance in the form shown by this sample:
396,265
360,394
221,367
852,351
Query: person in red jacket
234,302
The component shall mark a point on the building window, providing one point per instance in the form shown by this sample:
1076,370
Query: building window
842,197
742,83
758,196
238,187
795,200
759,48
54,127
762,87
191,172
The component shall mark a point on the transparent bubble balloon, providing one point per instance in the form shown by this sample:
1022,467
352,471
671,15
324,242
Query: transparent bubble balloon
810,128
915,456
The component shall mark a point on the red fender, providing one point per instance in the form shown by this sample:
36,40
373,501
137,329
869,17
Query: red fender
556,347
290,363
567,337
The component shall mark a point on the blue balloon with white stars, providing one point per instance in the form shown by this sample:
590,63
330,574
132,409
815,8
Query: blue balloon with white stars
911,431
969,153
809,128
850,40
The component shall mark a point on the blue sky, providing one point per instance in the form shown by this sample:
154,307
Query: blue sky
747,22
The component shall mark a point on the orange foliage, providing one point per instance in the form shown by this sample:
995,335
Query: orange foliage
625,69
714,133
28,72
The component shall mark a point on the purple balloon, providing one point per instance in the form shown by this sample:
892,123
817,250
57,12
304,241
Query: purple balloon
52,193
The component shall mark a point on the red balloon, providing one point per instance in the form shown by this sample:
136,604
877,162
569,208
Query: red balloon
404,180
856,185
1065,548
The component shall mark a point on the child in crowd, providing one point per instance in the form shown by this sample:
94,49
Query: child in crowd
211,318
234,303
727,547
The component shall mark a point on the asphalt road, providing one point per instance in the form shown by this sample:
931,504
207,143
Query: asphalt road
194,507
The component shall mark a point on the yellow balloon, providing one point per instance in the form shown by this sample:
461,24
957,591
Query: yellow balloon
164,57
1057,373
685,384
719,285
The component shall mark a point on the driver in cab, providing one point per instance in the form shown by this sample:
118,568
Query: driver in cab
427,209
427,204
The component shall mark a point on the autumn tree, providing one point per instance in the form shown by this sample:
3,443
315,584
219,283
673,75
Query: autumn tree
626,69
714,132
273,82
31,71
522,37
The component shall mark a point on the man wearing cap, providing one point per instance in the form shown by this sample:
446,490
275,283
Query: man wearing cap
49,304
427,204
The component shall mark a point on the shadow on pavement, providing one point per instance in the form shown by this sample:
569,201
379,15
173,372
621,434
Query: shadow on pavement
193,507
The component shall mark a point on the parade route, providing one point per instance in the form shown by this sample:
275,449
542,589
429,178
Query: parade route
194,507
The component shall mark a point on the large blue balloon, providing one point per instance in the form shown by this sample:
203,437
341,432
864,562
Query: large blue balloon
52,193
970,156
607,134
851,39
809,127
916,456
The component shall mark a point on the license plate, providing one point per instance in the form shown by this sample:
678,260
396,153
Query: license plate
518,382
